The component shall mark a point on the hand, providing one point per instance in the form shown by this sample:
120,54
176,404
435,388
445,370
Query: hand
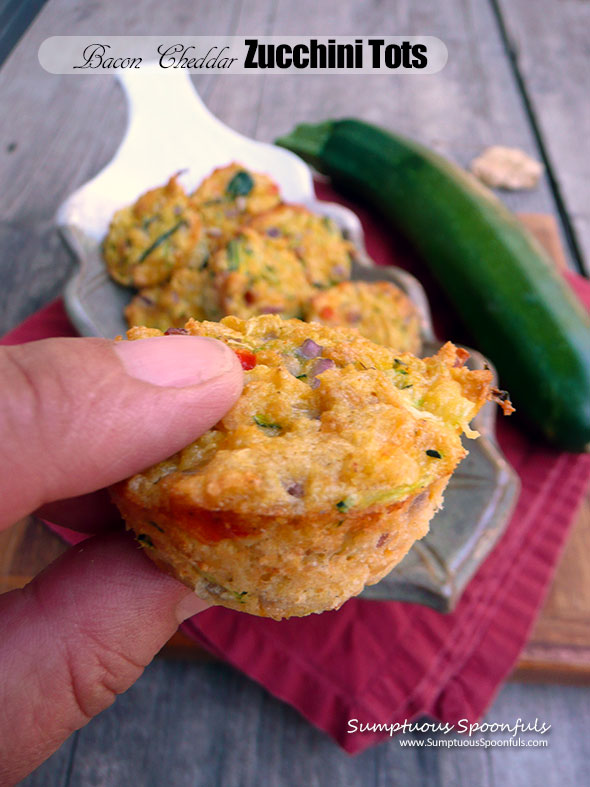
77,415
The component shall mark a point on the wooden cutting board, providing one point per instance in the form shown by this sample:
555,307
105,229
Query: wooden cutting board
559,647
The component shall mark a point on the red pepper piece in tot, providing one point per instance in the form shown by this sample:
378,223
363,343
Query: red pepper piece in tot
247,359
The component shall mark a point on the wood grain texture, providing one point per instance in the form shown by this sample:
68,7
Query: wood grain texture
456,114
559,646
204,724
61,130
184,724
26,549
15,17
551,51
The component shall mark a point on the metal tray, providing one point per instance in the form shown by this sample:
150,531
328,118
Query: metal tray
482,492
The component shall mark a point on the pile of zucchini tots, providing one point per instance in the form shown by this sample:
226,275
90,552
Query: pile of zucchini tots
233,247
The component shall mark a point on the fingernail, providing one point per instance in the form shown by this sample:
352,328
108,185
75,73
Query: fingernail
189,606
176,361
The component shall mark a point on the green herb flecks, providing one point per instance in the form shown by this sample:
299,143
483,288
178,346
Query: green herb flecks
433,453
240,185
162,239
239,596
233,256
329,225
148,222
390,495
156,525
264,423
145,540
270,274
344,505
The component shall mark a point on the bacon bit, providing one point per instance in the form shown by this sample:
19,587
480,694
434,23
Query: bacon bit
326,313
176,332
249,297
296,490
247,359
462,356
383,539
502,398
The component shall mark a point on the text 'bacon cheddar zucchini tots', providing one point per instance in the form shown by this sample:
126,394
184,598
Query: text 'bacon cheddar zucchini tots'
321,477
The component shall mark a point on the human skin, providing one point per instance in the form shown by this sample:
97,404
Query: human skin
77,415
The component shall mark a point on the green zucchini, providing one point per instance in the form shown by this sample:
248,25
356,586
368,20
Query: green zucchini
515,304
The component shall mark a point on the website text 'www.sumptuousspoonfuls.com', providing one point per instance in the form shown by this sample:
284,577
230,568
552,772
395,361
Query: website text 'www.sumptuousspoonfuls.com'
462,734
485,743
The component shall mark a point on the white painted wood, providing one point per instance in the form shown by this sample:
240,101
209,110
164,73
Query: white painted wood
171,130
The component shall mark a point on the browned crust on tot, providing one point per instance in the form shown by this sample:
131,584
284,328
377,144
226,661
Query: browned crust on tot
284,566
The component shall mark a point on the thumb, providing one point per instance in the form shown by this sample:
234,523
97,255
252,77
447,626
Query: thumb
79,634
80,414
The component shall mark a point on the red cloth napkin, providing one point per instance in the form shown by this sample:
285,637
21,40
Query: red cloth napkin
384,662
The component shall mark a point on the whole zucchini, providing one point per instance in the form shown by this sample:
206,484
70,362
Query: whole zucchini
515,304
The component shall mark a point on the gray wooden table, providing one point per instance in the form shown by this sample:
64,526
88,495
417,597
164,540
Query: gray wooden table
517,75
